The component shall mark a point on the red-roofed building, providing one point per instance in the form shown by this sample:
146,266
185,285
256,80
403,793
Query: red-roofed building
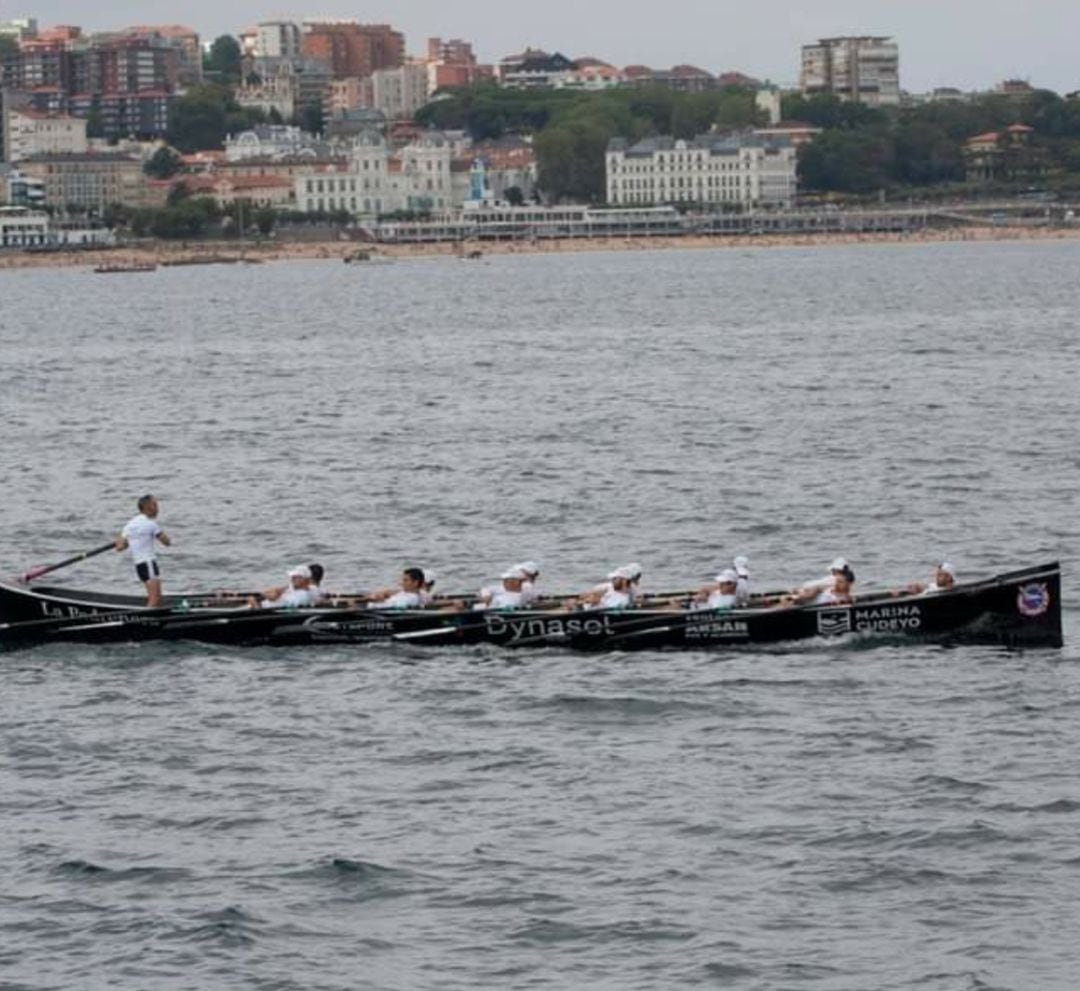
1007,154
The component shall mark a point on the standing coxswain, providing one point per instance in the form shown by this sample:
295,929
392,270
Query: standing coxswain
138,536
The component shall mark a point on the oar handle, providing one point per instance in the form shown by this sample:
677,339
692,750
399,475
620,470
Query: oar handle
47,568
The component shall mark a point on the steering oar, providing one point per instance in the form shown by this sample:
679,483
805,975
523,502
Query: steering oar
47,568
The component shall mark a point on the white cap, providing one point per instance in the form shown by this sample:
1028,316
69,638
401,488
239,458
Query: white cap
515,572
947,568
531,568
631,571
300,571
742,566
429,576
839,565
616,573
727,576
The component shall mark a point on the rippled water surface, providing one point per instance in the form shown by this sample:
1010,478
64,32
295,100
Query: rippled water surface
830,816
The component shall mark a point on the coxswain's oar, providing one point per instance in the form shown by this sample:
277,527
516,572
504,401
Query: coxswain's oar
46,568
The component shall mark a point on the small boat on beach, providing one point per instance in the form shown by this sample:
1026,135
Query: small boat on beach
1014,609
120,268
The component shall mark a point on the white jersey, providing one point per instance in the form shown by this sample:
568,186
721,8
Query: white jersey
503,598
742,591
399,600
426,597
293,598
140,532
722,600
529,593
933,588
826,597
612,599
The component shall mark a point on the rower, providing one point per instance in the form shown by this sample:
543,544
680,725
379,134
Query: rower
427,594
944,580
317,573
834,590
510,596
723,595
616,593
405,597
298,594
139,534
741,567
529,593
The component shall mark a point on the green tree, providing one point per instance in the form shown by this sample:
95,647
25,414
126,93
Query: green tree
265,218
222,62
9,47
311,118
205,115
514,196
847,161
163,164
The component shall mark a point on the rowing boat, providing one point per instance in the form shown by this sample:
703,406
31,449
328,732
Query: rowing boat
1015,609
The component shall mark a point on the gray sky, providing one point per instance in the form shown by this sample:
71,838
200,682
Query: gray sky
965,43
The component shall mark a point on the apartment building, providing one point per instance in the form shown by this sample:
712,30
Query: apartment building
864,69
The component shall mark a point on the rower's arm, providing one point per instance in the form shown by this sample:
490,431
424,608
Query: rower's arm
165,538
121,542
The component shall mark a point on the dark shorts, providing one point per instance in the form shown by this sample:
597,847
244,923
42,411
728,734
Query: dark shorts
147,570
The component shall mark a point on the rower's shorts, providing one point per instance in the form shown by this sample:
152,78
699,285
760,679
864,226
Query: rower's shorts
147,570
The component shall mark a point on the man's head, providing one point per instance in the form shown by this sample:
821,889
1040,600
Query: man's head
514,578
727,582
945,575
412,579
300,576
531,569
317,572
148,506
429,579
619,579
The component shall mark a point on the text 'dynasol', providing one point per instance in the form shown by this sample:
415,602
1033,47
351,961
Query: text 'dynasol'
545,627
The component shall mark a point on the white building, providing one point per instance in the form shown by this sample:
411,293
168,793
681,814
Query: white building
399,93
415,179
27,132
864,69
23,228
267,141
743,170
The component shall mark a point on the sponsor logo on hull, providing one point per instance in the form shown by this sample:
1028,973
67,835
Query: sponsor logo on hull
834,622
716,628
513,629
1033,600
888,619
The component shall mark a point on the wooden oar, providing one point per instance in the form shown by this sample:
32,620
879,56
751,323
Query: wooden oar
47,568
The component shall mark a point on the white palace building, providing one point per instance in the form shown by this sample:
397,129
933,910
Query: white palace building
743,170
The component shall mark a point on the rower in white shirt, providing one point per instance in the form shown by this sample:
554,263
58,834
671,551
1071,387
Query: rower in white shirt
427,591
405,597
616,593
741,567
944,580
723,595
298,594
510,595
836,589
529,592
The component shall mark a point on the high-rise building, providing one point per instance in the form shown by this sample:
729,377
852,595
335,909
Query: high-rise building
184,40
399,93
354,49
864,69
121,84
19,28
278,39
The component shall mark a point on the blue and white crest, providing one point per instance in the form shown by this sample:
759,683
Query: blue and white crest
1033,599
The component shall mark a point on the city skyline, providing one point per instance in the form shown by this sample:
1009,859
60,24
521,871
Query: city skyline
965,45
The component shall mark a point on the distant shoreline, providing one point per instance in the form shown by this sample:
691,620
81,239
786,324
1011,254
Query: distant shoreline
208,252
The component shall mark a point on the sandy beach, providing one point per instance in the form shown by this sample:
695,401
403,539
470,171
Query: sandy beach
274,251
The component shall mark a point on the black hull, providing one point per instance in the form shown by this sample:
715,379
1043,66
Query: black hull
1018,609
